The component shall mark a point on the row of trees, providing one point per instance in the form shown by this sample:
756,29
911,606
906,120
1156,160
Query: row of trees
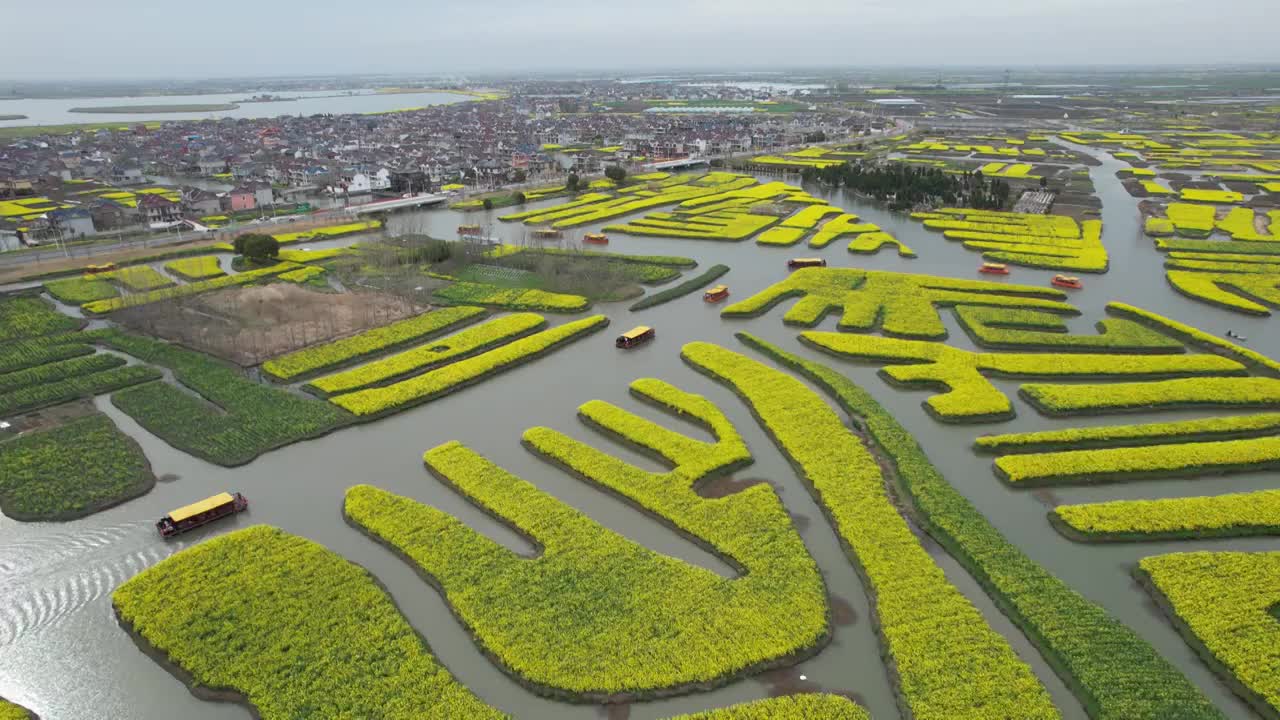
904,186
616,173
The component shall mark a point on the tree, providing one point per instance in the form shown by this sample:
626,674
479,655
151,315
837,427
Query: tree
488,203
520,176
261,247
1044,182
242,241
572,183
616,173
518,197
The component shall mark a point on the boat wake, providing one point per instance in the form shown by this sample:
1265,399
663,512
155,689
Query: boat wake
46,580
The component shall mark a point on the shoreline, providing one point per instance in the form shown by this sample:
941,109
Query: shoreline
1221,670
588,697
153,109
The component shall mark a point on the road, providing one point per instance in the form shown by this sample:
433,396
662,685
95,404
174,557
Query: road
105,245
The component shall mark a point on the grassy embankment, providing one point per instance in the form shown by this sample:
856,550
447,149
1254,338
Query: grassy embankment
126,109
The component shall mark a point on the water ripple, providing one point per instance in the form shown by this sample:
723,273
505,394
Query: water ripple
47,580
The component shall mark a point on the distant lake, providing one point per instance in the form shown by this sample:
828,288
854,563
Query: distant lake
57,111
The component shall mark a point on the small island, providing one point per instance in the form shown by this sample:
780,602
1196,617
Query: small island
128,109
267,98
13,117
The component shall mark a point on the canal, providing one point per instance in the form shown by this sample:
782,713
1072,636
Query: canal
62,654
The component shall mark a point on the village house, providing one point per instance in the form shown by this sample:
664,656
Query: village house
73,222
201,202
127,175
240,199
263,194
16,188
158,210
211,166
109,215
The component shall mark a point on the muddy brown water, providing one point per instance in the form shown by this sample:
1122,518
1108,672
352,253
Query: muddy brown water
63,655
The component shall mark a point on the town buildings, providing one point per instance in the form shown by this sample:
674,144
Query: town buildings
541,132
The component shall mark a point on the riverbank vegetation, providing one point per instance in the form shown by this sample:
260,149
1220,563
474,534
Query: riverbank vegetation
678,291
1215,428
136,278
1056,242
870,244
565,279
1251,293
804,706
495,296
425,357
726,225
22,354
71,471
353,349
1195,336
1181,518
630,623
970,397
1129,463
898,304
735,214
1114,672
595,275
201,267
809,217
713,192
1209,392
925,622
57,371
328,232
81,290
12,711
428,386
1224,605
67,387
29,317
1017,329
313,634
226,418
905,186
103,307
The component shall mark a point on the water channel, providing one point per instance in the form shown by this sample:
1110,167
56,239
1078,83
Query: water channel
62,654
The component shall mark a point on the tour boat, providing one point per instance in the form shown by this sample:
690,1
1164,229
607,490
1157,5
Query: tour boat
635,336
716,294
994,269
468,229
795,263
596,238
548,233
1067,282
104,267
196,514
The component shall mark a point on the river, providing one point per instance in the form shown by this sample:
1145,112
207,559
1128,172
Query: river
62,654
57,111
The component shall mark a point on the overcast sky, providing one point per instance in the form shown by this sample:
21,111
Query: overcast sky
145,38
